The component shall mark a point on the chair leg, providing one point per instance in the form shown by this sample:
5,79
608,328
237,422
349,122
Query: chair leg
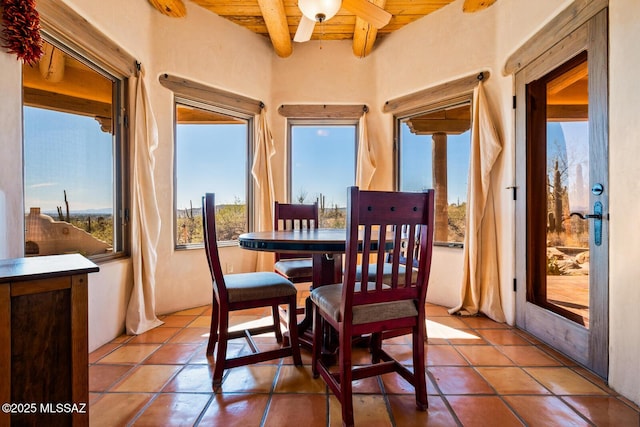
221,354
420,382
375,346
275,313
317,342
293,332
346,377
213,331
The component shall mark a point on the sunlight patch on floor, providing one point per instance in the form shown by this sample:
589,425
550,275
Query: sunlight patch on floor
250,322
438,330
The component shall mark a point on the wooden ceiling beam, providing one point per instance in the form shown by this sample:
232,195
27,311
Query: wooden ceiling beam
471,6
172,8
574,75
248,14
78,83
197,116
275,19
567,113
429,127
68,104
375,16
51,64
364,34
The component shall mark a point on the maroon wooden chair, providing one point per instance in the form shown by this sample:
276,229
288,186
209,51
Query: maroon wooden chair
387,268
242,291
296,267
380,306
387,272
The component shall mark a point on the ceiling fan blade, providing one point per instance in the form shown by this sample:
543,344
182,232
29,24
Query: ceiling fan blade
374,15
305,29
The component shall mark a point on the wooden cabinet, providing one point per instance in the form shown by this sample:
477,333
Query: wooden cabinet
44,340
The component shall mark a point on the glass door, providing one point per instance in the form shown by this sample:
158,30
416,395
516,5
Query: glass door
562,220
559,210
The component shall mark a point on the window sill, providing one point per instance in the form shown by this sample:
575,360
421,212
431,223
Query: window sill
455,245
221,244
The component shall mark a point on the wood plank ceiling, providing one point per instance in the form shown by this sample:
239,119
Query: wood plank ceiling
278,19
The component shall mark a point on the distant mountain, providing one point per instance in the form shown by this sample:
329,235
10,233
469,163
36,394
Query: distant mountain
182,213
92,212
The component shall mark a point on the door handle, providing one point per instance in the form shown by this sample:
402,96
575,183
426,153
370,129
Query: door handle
597,224
586,216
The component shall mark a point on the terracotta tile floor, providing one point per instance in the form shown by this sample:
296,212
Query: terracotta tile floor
479,373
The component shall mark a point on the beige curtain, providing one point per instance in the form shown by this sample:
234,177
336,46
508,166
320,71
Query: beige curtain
366,161
262,172
480,278
145,214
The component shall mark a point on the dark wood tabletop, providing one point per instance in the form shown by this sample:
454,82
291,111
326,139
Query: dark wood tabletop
34,268
322,240
314,241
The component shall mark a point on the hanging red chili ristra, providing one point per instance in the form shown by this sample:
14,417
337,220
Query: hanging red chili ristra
22,29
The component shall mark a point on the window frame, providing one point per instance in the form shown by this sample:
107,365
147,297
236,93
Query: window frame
440,105
120,167
62,23
250,123
320,121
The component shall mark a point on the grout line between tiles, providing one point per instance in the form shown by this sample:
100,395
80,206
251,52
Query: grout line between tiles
444,398
144,407
204,409
271,390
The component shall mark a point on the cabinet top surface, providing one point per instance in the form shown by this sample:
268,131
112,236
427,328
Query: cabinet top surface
18,269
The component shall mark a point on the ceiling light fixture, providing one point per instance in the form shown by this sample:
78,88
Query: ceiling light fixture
319,10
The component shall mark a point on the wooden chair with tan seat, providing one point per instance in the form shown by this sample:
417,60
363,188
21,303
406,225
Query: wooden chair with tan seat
297,267
388,266
387,272
243,291
376,218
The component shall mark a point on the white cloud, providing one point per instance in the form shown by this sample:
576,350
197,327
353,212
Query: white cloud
44,184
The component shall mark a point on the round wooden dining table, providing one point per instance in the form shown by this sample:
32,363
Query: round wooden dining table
326,247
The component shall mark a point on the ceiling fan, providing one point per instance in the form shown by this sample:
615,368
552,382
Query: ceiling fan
322,10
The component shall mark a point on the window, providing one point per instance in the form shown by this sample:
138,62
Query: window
323,165
212,155
434,153
73,156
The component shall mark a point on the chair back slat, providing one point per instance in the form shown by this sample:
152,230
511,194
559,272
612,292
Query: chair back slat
366,251
211,245
294,217
395,228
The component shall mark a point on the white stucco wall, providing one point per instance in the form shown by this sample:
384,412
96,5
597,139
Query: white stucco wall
423,55
426,54
128,24
11,219
318,72
624,202
201,47
205,48
433,50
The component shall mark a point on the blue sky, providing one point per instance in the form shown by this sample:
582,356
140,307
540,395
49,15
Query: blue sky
416,163
211,159
316,167
323,161
57,158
